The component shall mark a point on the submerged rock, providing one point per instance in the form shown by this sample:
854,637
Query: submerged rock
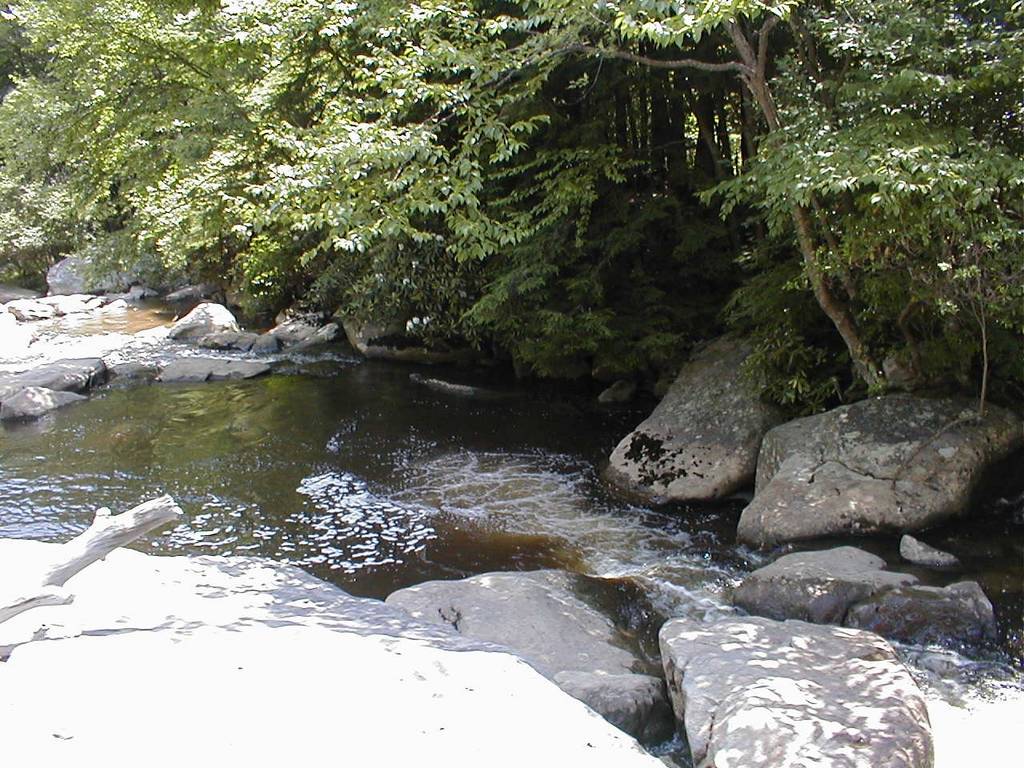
205,319
758,692
895,463
248,648
702,440
849,586
459,390
621,391
919,553
198,369
539,615
33,402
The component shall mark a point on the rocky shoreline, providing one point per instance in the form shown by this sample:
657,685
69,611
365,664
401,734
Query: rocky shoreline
891,465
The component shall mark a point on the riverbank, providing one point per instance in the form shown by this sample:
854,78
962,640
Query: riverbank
394,484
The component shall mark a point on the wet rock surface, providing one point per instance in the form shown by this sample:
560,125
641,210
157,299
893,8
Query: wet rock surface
919,553
33,402
957,615
850,587
759,692
819,587
894,463
539,615
702,440
198,369
64,376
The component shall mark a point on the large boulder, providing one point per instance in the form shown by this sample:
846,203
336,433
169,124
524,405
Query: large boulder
73,275
247,649
540,615
894,463
67,276
206,319
702,440
198,369
77,375
191,293
849,586
33,402
758,692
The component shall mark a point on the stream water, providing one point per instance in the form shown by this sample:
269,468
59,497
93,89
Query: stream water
353,472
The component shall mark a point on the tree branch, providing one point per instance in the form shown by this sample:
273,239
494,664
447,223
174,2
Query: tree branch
704,66
107,533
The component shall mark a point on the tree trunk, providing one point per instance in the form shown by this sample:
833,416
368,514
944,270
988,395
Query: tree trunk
107,533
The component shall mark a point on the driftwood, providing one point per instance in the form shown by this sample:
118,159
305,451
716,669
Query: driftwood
107,533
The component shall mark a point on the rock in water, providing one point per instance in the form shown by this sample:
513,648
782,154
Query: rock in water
539,615
33,402
205,319
269,641
894,463
957,615
757,692
818,587
197,369
702,440
849,586
919,553
67,276
64,375
621,391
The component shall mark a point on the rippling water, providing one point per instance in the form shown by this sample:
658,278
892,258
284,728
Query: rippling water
353,472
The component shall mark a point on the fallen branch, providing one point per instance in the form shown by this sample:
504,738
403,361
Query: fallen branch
107,533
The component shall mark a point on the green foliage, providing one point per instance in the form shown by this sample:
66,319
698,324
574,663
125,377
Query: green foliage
514,175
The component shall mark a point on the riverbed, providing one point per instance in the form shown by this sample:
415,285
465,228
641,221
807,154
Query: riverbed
352,471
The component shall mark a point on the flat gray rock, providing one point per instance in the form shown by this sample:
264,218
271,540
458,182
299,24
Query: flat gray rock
919,553
205,319
78,375
197,369
895,463
702,440
758,692
247,649
818,587
539,615
33,402
238,340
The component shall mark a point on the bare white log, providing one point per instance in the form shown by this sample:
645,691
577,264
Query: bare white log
107,533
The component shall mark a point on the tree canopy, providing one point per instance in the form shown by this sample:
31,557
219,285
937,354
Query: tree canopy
581,187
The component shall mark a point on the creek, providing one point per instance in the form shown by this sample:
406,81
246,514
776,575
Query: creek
353,472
